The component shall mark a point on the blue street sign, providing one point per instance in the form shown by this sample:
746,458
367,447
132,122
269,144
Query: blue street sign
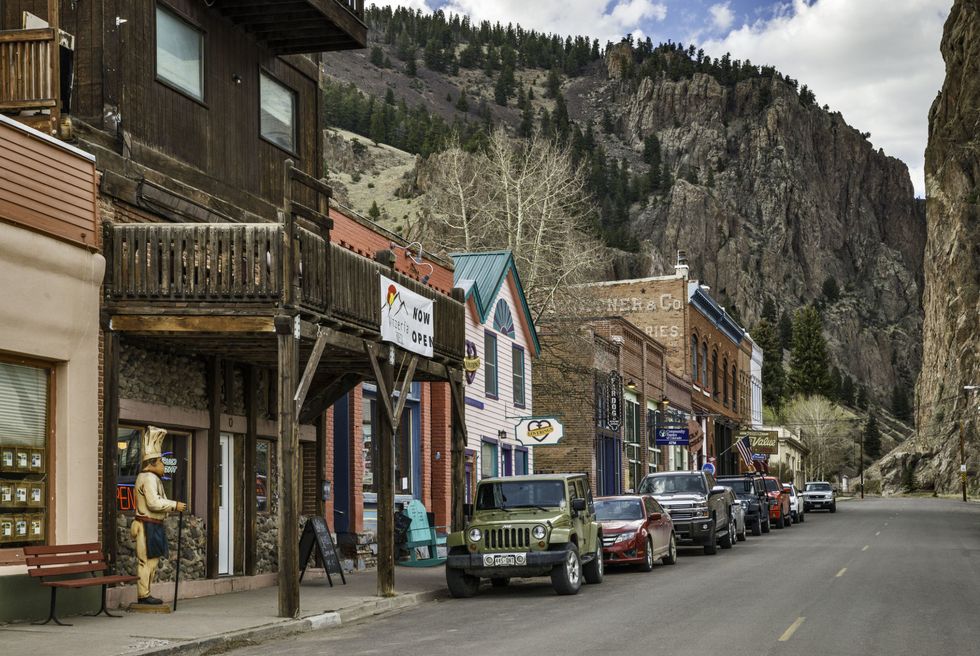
672,437
759,456
708,467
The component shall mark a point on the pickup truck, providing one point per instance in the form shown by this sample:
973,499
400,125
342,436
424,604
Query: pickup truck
702,514
751,492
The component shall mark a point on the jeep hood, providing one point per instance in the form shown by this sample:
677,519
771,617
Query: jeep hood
518,516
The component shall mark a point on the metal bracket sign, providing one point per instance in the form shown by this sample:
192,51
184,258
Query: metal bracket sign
615,401
672,436
760,442
539,431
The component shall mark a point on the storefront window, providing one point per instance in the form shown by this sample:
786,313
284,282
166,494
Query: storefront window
263,475
488,460
631,434
520,462
24,426
406,442
367,431
176,466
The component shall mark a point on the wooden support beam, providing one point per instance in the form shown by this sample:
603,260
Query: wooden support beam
288,476
324,397
110,452
213,465
458,431
251,442
310,371
385,475
321,464
141,323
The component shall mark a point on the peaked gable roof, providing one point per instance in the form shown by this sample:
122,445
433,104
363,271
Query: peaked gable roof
482,275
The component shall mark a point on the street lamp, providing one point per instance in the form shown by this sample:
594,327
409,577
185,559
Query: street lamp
966,394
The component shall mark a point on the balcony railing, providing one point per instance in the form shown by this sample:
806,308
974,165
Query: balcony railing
210,267
29,72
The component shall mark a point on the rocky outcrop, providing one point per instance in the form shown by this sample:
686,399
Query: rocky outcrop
951,297
771,198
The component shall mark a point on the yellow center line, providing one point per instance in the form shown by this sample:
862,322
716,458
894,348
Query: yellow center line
877,533
791,630
886,523
841,572
865,547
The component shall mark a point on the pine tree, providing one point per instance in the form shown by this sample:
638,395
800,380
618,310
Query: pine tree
500,91
835,383
462,104
861,401
411,68
553,85
786,330
872,438
808,369
375,211
377,56
847,390
769,311
773,375
830,289
389,97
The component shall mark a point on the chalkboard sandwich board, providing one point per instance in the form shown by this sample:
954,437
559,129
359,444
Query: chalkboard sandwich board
316,533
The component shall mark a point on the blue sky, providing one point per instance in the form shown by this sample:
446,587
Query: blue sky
875,61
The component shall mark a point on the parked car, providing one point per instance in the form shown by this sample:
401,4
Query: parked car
539,525
751,492
701,515
636,530
819,494
738,512
779,514
796,510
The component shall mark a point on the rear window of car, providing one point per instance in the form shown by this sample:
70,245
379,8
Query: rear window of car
772,485
738,485
818,487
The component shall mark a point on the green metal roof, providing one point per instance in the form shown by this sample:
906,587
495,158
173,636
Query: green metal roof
482,275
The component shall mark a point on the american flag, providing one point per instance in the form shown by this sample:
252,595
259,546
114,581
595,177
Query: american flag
743,448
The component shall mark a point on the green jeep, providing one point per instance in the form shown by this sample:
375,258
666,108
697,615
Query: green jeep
528,526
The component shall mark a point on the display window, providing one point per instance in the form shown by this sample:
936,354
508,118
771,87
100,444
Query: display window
176,466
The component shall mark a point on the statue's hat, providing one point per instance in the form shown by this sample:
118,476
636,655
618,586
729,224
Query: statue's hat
153,442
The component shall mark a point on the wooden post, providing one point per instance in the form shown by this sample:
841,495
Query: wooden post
458,463
251,440
54,21
385,473
110,452
288,474
214,458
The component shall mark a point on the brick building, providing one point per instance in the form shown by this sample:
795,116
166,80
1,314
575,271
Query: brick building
607,381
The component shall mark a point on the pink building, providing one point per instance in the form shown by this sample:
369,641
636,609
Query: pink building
501,343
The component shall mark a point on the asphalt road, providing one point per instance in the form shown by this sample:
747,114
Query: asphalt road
881,576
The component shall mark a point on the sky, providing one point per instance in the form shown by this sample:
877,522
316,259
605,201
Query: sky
875,61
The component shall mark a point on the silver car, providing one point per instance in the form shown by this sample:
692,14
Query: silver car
737,512
819,495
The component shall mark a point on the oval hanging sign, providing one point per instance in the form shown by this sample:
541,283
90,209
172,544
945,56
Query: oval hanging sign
539,431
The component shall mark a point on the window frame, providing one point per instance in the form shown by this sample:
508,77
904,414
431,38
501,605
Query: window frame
487,366
694,358
294,151
527,460
518,350
724,376
704,366
202,33
270,478
714,375
495,445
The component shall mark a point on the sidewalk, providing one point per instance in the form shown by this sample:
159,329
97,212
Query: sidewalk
200,625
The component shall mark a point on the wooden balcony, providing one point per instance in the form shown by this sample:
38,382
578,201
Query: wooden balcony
244,274
29,76
300,26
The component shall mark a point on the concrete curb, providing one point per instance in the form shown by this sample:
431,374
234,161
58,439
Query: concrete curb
288,628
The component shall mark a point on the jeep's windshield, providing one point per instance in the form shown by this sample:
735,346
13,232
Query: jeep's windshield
740,486
673,484
818,487
524,494
618,509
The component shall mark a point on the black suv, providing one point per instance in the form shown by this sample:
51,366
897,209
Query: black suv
751,492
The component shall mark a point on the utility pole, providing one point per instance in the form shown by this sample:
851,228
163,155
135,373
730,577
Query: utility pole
862,464
966,407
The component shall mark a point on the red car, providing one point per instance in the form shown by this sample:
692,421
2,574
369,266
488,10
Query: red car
779,513
635,531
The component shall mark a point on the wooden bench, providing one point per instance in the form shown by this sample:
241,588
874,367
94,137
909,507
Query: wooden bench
63,563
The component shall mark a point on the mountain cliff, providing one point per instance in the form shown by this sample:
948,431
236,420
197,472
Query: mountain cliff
772,196
951,297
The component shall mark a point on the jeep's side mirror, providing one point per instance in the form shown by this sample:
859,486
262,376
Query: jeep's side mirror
578,505
655,517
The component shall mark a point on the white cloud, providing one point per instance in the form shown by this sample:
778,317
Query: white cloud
411,4
876,61
722,15
603,20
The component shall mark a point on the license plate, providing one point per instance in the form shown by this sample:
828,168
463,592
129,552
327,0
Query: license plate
504,560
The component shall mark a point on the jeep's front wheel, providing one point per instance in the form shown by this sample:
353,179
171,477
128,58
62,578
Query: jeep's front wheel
461,584
594,569
566,578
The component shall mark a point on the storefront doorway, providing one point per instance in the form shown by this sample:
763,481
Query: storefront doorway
226,503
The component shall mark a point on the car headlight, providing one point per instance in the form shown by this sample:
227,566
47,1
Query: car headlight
475,534
700,512
538,532
625,537
744,504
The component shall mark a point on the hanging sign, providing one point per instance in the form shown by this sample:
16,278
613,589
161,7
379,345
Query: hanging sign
672,436
614,416
761,441
406,318
539,431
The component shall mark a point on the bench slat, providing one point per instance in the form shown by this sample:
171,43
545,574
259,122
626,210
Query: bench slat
43,561
98,580
64,571
61,549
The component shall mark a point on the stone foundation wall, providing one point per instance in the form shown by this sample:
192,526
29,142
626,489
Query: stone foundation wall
164,378
193,548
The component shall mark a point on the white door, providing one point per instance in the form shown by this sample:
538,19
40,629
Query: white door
226,504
